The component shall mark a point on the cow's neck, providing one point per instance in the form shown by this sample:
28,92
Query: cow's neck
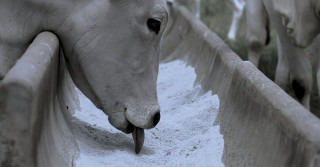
21,21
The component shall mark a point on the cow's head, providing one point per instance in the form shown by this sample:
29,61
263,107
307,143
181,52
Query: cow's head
112,49
301,19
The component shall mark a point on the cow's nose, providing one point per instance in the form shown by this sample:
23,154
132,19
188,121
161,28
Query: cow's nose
156,118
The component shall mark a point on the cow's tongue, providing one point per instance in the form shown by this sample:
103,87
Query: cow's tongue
138,138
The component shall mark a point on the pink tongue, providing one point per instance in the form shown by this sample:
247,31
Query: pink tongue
138,138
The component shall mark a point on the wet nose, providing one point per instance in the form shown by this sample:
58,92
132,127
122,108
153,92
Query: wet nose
156,118
146,118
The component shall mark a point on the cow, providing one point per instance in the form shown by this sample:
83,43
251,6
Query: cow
258,31
301,21
294,64
300,18
192,5
258,36
298,61
236,7
111,49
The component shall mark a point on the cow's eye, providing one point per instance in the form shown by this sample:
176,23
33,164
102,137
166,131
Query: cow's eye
154,25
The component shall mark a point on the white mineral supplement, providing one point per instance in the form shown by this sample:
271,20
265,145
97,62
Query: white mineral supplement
185,135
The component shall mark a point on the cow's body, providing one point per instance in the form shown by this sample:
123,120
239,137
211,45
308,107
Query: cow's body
111,50
300,18
294,64
301,22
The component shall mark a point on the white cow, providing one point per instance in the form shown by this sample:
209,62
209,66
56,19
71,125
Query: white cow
294,64
298,61
300,18
258,31
111,48
237,7
192,5
302,22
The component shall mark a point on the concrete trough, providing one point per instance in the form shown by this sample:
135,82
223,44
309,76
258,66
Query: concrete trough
35,99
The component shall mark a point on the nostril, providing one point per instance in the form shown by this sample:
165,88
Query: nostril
156,118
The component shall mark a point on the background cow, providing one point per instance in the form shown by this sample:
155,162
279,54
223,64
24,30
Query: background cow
294,64
300,18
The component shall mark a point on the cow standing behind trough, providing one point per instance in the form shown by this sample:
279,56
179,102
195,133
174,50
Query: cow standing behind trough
294,64
296,61
301,20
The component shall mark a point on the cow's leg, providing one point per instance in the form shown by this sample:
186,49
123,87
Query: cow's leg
316,58
303,61
282,71
198,3
301,74
237,12
302,86
300,68
257,29
318,75
195,8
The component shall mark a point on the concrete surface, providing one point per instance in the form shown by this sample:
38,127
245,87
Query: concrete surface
34,121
